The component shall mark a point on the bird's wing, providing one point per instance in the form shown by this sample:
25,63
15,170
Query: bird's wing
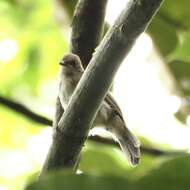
111,101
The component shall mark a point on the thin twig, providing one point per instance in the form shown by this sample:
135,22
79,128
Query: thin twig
144,149
22,109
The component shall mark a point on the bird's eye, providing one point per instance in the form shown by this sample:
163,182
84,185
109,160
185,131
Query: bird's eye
72,63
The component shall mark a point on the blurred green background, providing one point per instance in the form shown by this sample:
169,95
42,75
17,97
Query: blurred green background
34,35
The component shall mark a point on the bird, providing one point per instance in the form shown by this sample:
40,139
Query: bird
109,115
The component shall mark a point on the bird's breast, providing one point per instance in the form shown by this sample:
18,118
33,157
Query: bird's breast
66,90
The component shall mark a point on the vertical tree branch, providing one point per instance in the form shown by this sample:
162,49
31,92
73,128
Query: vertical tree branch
75,123
87,28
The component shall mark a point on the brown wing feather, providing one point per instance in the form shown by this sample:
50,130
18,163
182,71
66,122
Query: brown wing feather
110,100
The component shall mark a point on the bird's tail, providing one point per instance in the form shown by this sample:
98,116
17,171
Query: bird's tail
130,145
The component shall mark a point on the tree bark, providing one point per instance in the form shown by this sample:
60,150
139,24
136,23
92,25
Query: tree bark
87,28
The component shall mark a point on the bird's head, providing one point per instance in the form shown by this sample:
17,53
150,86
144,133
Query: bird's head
71,63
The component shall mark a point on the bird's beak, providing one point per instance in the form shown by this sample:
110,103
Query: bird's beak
63,63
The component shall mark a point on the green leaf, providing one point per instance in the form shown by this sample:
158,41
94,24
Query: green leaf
171,175
180,63
69,6
180,69
162,32
60,180
147,163
172,18
177,12
182,50
101,159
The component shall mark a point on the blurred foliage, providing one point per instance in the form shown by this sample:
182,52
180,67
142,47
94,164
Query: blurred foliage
170,31
61,180
69,6
171,174
11,123
111,164
32,27
29,28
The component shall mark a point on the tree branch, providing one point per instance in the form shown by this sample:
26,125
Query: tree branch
144,149
87,28
19,108
77,119
23,110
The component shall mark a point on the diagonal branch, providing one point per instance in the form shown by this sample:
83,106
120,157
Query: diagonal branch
22,109
77,119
